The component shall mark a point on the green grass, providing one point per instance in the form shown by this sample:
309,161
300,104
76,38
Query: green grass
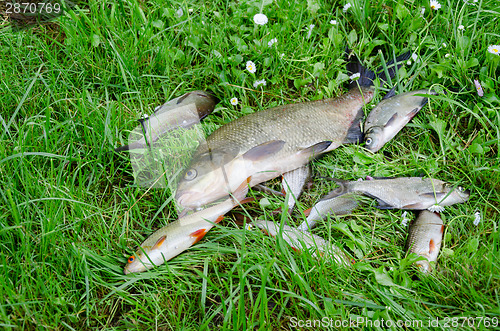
70,213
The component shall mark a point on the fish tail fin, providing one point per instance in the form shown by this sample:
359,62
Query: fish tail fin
354,134
134,145
122,148
341,190
240,193
367,77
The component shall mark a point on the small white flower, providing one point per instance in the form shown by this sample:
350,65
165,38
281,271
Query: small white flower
347,6
179,12
479,88
234,101
190,10
257,83
461,27
436,208
422,11
260,19
249,226
145,116
494,49
404,221
272,42
414,57
333,22
408,62
477,218
435,5
447,55
475,0
444,45
251,67
282,55
355,76
311,27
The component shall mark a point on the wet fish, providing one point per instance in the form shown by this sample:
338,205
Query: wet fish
300,240
182,112
176,237
425,237
333,203
293,183
391,115
416,193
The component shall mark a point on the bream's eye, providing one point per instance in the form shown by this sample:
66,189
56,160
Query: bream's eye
190,174
369,141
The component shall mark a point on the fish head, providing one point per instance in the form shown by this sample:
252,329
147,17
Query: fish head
143,259
424,266
211,176
454,194
374,138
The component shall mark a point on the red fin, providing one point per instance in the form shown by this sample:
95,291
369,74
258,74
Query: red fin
198,235
246,200
159,242
296,249
307,212
220,218
432,246
442,229
242,190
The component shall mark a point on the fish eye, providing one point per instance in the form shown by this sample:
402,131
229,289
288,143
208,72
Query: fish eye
369,141
461,189
190,174
131,259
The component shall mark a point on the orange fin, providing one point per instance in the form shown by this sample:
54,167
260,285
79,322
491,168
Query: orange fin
432,246
242,190
159,242
198,235
307,211
220,218
442,229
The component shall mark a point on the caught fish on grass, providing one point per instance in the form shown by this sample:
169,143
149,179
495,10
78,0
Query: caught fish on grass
391,115
425,237
274,141
300,241
415,193
176,237
182,112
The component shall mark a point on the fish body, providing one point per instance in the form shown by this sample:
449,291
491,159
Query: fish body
333,204
269,143
425,237
390,116
182,112
176,237
416,193
300,240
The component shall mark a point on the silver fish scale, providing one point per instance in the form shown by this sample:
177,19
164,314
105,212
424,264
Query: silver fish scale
299,125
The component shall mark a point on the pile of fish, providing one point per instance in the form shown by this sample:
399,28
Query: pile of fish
282,141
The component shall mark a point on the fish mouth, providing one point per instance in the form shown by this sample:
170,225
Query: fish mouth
189,199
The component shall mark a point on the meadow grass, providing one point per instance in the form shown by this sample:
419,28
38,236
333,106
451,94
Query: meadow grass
71,214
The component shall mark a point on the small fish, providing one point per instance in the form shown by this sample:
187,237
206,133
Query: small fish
293,183
425,237
271,142
182,112
300,240
391,115
333,203
176,237
415,193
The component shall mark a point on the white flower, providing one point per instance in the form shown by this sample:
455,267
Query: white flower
422,11
477,218
179,12
414,57
145,116
436,208
408,62
404,220
333,22
461,27
234,101
435,5
347,6
355,76
447,55
311,27
260,19
251,67
444,45
282,55
190,10
494,49
272,42
257,83
479,88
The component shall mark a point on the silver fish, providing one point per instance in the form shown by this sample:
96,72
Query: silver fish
176,237
182,112
391,115
416,193
332,203
293,183
425,237
300,240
